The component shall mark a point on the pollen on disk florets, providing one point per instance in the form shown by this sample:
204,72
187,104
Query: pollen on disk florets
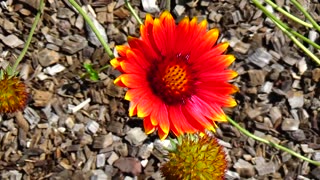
195,157
171,79
13,94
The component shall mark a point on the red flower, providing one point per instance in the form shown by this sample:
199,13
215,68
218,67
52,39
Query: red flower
176,76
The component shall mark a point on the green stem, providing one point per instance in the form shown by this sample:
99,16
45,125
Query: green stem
287,31
278,8
103,68
306,14
33,28
299,44
315,45
135,15
94,29
168,5
278,146
269,14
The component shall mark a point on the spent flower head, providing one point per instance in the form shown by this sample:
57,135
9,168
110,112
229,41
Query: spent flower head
13,92
195,157
176,76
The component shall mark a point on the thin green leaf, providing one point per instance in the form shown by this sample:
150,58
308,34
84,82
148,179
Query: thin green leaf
92,73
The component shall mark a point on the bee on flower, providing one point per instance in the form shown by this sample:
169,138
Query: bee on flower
176,75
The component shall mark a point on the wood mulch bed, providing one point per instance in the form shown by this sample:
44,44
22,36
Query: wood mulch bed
75,128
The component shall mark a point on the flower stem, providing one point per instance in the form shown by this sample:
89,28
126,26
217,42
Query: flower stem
315,45
306,14
168,5
289,32
94,29
278,146
299,44
25,48
278,8
104,67
133,12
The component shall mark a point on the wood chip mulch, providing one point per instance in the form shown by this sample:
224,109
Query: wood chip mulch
74,128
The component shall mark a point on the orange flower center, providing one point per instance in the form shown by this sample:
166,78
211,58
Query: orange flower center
175,79
170,79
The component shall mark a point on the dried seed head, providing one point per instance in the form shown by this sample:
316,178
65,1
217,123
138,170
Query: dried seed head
195,157
13,94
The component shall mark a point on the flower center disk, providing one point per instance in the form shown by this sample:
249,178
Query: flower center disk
171,81
175,79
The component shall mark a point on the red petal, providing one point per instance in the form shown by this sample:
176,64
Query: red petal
209,61
115,63
119,82
142,46
137,57
220,99
169,26
147,34
133,109
220,48
200,111
122,50
132,67
159,35
182,36
208,109
195,31
217,114
192,120
148,127
217,76
162,134
145,105
198,29
217,87
160,115
210,38
179,123
131,81
134,96
206,42
145,29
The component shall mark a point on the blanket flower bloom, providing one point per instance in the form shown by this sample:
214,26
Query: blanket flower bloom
176,76
13,94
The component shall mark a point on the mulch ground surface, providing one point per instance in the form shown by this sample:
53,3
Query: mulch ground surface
75,128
